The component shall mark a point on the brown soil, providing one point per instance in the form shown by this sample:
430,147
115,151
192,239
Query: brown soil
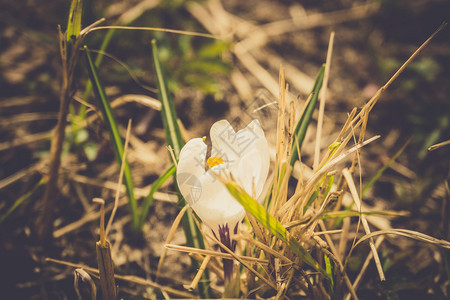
370,45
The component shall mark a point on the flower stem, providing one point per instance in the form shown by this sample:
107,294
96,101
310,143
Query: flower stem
225,238
227,268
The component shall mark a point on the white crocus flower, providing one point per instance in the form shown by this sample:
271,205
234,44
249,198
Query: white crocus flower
244,155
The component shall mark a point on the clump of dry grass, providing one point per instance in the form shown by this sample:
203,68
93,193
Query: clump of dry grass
316,213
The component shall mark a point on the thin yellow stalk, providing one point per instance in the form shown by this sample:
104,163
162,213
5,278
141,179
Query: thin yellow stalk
169,238
343,238
119,183
102,219
85,277
323,97
409,234
329,241
257,229
439,145
216,253
280,143
240,260
297,201
291,129
365,224
406,63
212,266
339,138
104,260
365,265
327,232
264,247
281,130
199,274
172,155
190,33
367,108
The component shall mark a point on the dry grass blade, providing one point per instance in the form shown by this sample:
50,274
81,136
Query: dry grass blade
69,57
119,183
264,247
106,270
243,263
312,182
20,174
365,265
89,217
183,32
407,233
303,22
84,276
353,213
322,101
408,61
281,126
255,68
145,100
357,201
25,140
104,259
38,137
91,26
199,274
439,145
361,117
128,278
27,117
169,238
280,158
216,254
140,192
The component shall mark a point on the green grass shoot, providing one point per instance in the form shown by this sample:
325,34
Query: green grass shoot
148,200
113,130
173,138
74,21
22,199
302,125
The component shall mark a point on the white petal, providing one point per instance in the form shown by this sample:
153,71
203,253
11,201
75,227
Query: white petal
245,155
224,142
254,162
191,166
216,206
255,127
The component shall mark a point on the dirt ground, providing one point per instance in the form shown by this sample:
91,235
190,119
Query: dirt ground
372,40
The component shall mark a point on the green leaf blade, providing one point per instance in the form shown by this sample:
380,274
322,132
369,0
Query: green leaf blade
302,125
172,130
174,139
74,21
275,227
22,199
113,129
148,200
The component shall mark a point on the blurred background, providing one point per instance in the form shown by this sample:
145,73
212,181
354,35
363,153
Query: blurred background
233,77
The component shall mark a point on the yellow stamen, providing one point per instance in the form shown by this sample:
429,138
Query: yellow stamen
214,161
